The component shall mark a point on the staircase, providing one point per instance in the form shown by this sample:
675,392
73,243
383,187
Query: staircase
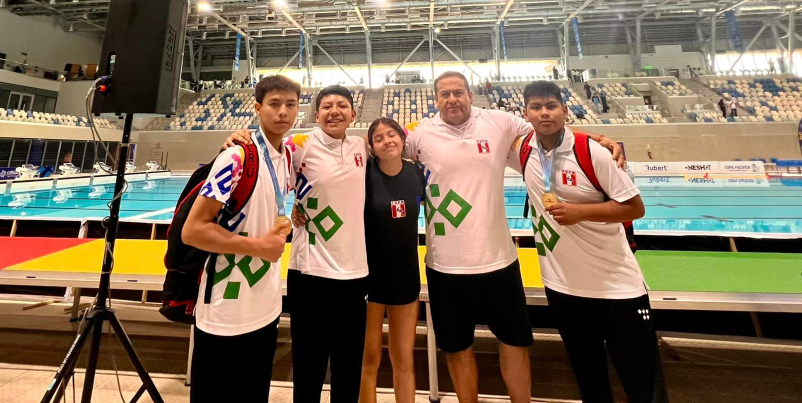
710,95
580,90
183,103
371,106
480,101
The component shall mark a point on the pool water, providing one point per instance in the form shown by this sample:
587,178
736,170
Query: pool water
775,210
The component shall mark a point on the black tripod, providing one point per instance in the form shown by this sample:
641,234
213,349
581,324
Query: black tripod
101,312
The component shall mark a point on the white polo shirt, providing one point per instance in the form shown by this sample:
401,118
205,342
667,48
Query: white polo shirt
330,186
587,259
246,295
466,222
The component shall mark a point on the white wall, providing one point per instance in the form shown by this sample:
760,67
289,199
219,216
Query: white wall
28,81
25,130
71,98
672,60
45,42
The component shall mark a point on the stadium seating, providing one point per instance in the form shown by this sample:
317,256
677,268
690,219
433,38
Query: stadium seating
674,88
306,97
15,115
407,105
616,90
645,117
768,99
513,94
708,117
234,111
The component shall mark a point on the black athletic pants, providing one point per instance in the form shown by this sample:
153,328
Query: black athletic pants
233,368
327,323
591,328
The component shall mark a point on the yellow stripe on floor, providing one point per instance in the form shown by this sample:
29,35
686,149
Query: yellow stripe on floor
146,257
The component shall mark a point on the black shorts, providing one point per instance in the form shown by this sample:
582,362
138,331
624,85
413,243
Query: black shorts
461,301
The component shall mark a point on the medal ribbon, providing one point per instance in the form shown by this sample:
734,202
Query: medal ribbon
281,197
548,163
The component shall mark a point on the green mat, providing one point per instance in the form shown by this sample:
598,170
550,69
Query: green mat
722,271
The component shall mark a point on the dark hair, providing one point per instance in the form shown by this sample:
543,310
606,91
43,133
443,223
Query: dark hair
542,89
389,122
275,83
334,90
448,74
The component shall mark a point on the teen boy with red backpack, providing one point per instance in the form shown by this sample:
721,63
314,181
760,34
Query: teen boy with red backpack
237,216
594,286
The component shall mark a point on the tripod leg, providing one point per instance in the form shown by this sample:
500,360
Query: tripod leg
94,351
68,365
147,382
138,394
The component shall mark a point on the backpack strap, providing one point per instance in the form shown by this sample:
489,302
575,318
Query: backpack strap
582,154
239,198
246,184
523,156
526,151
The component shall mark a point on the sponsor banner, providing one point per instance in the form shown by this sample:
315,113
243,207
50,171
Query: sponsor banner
733,32
703,181
699,167
673,181
301,52
655,168
236,52
746,182
8,173
728,167
575,25
503,41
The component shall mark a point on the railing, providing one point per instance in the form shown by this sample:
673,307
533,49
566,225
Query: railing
641,108
687,108
29,70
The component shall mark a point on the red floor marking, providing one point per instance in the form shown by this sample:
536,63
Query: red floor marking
20,249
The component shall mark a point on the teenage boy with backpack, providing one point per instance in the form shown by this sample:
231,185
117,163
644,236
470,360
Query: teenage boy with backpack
594,286
239,299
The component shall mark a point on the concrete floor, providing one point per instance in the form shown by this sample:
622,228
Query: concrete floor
698,369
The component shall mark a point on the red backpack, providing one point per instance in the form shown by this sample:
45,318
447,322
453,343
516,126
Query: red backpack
582,154
184,263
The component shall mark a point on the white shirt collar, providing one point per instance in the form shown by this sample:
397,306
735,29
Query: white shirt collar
327,140
272,152
567,144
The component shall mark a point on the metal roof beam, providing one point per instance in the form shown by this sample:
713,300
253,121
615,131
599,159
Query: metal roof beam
293,22
361,18
230,25
504,13
577,11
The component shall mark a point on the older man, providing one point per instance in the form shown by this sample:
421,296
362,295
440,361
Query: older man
471,262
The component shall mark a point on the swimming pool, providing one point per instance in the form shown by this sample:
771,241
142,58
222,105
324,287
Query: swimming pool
768,212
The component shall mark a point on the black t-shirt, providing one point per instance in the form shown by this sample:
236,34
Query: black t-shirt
392,206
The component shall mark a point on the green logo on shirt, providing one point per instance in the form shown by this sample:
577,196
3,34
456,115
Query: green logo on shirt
244,265
455,219
547,233
319,221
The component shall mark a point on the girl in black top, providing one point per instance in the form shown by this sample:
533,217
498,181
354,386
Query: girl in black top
394,191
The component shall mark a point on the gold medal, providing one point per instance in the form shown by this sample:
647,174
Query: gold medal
549,199
284,222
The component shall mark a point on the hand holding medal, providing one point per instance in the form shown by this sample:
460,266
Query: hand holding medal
549,199
547,163
283,223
